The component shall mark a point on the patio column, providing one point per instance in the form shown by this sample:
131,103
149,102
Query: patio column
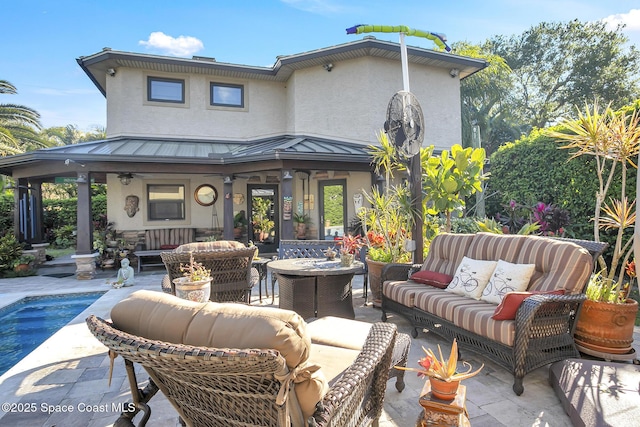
85,259
227,208
287,206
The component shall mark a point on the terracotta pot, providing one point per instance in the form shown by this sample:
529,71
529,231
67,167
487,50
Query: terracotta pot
606,327
193,291
346,260
301,230
375,280
21,267
442,389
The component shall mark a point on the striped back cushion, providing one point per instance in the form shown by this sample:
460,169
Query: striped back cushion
179,236
156,238
559,264
493,247
209,246
446,251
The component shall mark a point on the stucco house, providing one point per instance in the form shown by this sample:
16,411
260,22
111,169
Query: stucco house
197,141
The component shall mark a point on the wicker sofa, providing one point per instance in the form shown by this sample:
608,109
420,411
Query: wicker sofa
542,331
226,364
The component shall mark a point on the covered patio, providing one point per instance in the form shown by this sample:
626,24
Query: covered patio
70,370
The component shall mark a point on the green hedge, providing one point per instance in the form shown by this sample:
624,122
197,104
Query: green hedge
57,213
534,169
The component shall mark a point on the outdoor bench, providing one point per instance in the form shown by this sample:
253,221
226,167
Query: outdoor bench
542,330
161,240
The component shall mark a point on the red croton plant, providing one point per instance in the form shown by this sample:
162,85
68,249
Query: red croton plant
351,244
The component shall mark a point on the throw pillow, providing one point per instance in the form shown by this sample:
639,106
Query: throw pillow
471,277
507,277
433,278
511,303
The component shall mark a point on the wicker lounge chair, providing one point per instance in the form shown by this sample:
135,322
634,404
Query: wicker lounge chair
252,385
230,270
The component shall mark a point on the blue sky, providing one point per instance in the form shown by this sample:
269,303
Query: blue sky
40,40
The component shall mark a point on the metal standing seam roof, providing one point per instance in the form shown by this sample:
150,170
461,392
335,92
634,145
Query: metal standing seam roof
159,150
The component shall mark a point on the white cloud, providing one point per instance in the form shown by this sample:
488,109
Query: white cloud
180,46
315,6
631,20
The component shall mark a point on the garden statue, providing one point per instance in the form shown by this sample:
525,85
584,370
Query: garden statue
131,205
125,275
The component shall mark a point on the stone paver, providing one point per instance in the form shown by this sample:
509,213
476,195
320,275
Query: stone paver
71,368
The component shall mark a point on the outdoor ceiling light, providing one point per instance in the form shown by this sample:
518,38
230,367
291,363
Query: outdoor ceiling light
125,178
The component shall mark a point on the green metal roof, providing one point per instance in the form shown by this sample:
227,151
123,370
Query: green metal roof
159,150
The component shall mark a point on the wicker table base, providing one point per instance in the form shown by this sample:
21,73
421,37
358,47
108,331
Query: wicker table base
315,287
317,296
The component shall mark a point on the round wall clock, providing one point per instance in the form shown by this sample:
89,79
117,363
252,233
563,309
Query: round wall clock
206,195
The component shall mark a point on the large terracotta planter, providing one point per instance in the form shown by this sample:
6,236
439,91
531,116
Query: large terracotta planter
606,327
375,280
193,291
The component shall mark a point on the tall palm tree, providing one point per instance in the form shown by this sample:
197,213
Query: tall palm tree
19,125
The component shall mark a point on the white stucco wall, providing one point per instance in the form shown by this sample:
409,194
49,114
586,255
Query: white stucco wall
348,103
197,216
129,113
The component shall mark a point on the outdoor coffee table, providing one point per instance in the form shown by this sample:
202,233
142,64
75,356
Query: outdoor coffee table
314,287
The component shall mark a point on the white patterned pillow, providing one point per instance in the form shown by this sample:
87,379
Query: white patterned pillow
507,277
471,277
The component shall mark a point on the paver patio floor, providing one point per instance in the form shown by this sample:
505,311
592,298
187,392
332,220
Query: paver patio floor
69,372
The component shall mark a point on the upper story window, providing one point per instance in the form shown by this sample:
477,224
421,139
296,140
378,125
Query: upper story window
166,202
227,95
165,90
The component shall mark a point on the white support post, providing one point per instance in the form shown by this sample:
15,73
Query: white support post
405,64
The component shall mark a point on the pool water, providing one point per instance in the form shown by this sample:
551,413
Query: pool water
27,323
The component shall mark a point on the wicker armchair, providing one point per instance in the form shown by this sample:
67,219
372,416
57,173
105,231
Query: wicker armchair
241,386
230,270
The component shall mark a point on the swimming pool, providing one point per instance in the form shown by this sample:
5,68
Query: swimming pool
27,323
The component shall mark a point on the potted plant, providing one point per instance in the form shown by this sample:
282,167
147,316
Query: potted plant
612,139
349,247
302,221
442,373
23,262
261,222
239,224
195,285
386,224
608,315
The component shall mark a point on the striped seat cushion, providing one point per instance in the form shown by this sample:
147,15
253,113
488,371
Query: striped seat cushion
477,319
402,291
436,301
559,264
